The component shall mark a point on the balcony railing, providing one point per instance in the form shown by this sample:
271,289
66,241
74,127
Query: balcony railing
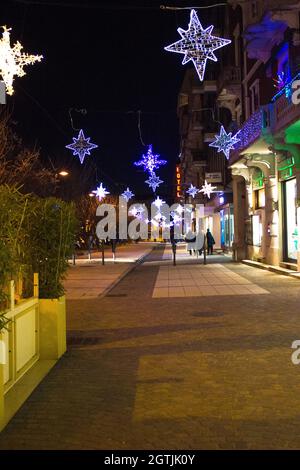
250,132
284,113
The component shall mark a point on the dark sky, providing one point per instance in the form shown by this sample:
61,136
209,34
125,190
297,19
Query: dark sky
106,57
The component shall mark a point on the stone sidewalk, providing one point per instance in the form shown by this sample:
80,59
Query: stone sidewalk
209,372
90,279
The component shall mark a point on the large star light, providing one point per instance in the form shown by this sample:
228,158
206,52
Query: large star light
225,142
153,181
81,146
13,60
192,191
197,44
207,189
150,162
101,192
127,195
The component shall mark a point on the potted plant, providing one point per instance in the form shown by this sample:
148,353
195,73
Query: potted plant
52,236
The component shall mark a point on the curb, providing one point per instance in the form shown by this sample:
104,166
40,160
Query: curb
273,269
128,270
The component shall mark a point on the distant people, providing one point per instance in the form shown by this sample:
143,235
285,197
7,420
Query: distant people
190,238
210,242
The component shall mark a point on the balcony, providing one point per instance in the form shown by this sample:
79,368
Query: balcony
284,113
230,79
252,135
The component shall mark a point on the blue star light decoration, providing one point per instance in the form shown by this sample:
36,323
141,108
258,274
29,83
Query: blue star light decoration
225,142
150,162
153,182
197,44
192,191
127,194
81,146
100,192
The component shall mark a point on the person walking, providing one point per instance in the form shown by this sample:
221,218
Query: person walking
210,242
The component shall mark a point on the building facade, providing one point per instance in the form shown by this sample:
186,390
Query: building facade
202,108
265,163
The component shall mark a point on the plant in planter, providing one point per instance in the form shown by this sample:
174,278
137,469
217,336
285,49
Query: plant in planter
14,209
52,236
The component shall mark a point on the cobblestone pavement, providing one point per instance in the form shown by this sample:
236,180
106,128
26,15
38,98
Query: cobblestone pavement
171,373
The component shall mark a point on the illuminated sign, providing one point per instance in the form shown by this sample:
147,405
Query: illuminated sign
178,181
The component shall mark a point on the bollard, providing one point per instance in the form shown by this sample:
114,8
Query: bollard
204,250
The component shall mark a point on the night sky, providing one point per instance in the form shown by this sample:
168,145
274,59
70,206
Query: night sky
106,57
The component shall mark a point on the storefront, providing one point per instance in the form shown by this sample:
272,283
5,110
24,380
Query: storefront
290,222
227,226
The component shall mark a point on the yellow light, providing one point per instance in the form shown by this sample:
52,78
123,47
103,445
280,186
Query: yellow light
91,194
12,60
63,173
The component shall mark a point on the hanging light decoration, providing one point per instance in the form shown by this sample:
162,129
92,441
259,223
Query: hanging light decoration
150,162
153,182
81,146
192,191
13,60
225,142
127,194
197,44
207,189
101,192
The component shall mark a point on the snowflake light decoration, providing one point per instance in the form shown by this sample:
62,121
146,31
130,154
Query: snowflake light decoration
137,211
280,81
13,60
150,162
207,189
158,202
197,44
100,192
81,146
127,194
153,182
225,142
192,191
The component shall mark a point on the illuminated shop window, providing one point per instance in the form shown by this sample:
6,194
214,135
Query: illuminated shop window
260,199
256,230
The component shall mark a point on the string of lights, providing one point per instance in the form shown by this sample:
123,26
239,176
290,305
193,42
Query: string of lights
115,7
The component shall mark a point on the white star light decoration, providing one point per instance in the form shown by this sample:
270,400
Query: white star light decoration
192,191
197,44
13,60
207,189
153,182
159,202
127,195
81,146
101,192
225,142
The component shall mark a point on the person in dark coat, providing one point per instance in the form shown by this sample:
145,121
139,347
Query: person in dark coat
210,242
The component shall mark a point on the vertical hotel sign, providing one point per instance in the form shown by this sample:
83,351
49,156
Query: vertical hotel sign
178,181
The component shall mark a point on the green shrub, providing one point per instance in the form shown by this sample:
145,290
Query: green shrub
36,235
52,239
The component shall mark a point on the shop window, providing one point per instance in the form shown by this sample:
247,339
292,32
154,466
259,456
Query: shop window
256,230
291,225
260,199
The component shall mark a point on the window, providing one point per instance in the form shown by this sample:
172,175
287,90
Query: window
254,96
254,9
197,155
256,230
260,199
